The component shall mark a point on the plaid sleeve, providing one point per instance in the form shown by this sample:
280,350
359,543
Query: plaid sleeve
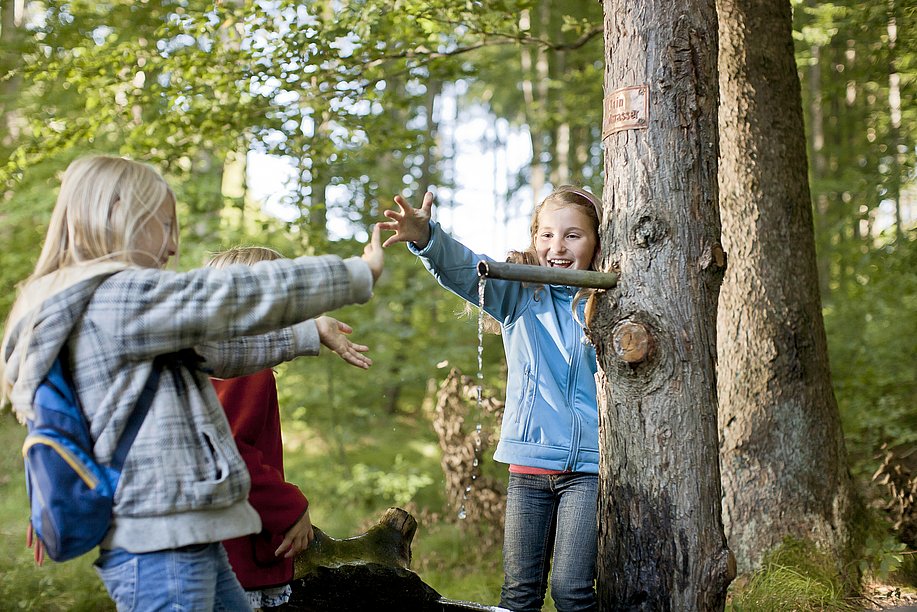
150,311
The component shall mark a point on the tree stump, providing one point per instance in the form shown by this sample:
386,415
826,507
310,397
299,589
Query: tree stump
370,571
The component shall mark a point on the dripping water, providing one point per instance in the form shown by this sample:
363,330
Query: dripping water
482,282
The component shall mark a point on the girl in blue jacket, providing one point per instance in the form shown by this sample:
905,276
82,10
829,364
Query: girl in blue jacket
549,435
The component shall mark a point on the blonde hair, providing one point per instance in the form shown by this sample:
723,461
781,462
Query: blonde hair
243,255
103,203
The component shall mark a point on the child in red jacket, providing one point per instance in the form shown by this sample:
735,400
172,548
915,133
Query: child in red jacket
263,562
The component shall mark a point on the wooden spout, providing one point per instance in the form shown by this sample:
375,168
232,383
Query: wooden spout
543,275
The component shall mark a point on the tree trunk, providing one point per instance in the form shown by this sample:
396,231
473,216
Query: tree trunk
894,106
11,35
534,84
783,457
661,543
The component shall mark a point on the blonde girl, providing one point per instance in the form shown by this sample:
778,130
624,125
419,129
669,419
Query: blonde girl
549,435
99,293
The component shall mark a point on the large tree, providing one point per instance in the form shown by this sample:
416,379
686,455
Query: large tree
661,542
783,458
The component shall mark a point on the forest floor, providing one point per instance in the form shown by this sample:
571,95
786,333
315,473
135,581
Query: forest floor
889,597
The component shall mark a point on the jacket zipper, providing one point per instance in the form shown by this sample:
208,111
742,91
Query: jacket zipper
571,400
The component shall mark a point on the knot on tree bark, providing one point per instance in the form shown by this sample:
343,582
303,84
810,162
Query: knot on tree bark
632,342
648,231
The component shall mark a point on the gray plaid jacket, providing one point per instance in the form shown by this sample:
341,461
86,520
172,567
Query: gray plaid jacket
184,481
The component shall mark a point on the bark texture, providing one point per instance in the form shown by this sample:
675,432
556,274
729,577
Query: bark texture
782,449
661,542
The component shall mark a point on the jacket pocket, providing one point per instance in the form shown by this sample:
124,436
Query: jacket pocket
215,466
526,399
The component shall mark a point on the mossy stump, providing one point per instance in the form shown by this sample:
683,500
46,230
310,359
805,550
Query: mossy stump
370,571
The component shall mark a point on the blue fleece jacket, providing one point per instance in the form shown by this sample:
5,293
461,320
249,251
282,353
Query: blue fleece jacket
551,416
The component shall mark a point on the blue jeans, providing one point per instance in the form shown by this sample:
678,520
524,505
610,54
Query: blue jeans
545,514
193,578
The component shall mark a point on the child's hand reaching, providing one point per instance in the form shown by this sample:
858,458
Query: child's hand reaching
298,538
333,334
372,253
410,224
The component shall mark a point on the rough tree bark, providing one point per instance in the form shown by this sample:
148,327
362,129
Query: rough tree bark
661,542
783,458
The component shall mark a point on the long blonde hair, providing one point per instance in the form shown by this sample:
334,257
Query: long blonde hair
103,204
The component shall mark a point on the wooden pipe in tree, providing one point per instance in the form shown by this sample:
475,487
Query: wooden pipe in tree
544,275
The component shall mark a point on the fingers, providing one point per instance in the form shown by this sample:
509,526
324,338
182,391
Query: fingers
353,354
376,239
402,204
301,543
393,239
295,542
344,328
427,205
358,360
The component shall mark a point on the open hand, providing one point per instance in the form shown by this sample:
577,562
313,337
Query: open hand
333,334
373,254
409,224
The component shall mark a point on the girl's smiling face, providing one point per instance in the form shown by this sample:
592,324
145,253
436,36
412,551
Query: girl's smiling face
566,238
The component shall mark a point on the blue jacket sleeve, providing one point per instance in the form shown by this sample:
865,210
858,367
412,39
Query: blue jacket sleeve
455,267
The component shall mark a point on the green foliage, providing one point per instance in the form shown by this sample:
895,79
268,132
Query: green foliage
882,557
794,576
870,325
368,484
862,160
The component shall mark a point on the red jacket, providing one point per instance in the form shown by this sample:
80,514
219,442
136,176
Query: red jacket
251,407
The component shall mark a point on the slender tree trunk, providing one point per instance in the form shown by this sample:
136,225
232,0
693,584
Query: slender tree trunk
11,35
783,458
427,178
894,107
661,542
534,94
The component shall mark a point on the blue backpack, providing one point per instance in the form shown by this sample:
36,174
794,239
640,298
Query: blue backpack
71,494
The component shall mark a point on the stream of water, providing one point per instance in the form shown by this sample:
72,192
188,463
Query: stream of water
476,462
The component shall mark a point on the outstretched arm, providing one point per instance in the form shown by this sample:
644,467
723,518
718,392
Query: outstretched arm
333,334
409,224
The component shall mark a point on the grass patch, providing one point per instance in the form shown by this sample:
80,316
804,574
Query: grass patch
68,586
795,576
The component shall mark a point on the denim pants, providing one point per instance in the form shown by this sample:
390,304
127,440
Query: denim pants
192,578
548,514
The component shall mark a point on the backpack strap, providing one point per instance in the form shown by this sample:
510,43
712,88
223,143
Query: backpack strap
137,415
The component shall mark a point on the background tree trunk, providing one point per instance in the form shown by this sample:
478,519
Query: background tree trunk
661,542
783,458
